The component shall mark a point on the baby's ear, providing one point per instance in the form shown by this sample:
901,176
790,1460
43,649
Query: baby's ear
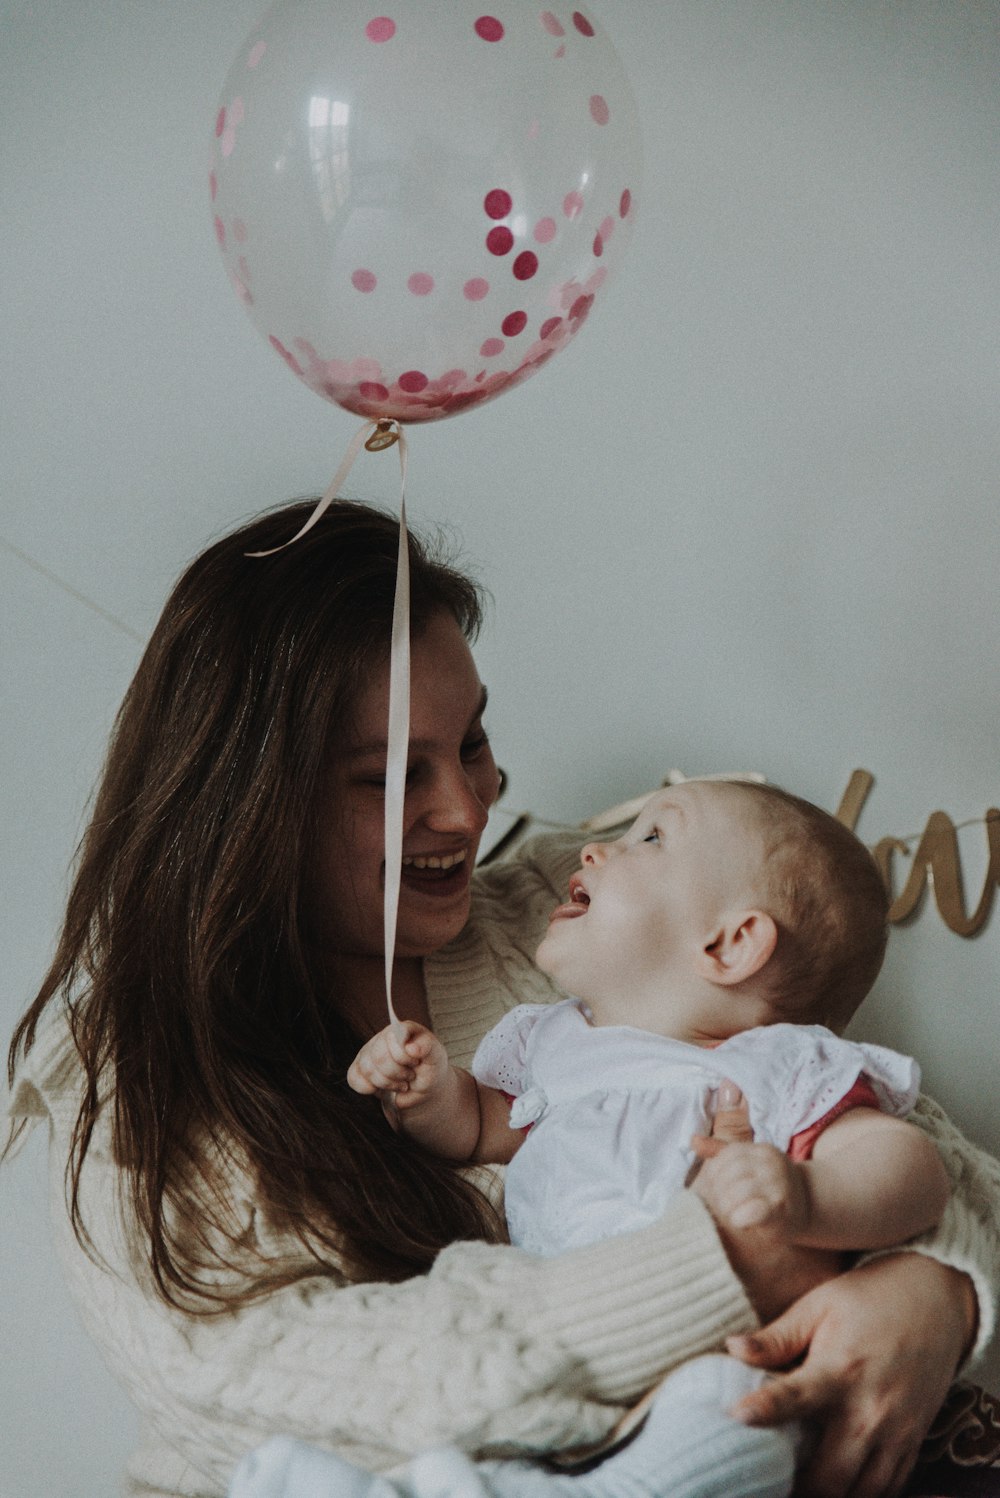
739,948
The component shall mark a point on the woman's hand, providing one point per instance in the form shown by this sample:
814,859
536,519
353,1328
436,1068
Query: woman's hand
880,1346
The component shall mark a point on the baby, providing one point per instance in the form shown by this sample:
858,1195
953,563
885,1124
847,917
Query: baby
727,936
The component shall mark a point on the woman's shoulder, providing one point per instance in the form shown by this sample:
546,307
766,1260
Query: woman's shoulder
48,1080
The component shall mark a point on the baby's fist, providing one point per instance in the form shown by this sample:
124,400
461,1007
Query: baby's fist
405,1065
752,1186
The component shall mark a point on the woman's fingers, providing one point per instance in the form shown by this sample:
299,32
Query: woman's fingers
731,1124
779,1344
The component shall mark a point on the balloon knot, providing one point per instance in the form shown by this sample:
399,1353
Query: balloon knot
386,434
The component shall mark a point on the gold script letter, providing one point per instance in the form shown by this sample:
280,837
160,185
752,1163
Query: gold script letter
936,862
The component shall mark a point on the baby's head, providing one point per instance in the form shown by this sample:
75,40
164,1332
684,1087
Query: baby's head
725,905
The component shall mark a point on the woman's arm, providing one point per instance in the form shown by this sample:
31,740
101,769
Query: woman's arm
880,1344
493,1350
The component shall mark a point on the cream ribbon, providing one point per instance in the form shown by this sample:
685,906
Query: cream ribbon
375,436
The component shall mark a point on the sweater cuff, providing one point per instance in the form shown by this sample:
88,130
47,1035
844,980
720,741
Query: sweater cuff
961,1242
633,1307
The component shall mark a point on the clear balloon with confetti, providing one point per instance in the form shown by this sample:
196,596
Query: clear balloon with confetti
418,209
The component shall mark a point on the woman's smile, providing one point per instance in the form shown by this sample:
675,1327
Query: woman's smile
441,876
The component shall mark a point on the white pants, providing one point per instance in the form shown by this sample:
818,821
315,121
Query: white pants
689,1447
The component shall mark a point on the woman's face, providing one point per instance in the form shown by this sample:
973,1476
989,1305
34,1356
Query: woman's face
451,782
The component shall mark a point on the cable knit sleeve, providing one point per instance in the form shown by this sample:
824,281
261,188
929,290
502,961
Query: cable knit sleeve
968,1235
493,1350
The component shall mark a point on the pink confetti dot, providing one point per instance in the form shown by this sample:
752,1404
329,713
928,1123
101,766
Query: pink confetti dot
371,390
625,204
413,381
239,231
598,245
498,203
549,326
213,185
514,324
364,280
228,142
220,122
525,265
256,54
491,348
573,204
489,29
582,25
599,110
420,283
220,233
500,241
596,281
242,291
580,308
238,113
381,29
552,24
607,228
545,231
452,378
476,289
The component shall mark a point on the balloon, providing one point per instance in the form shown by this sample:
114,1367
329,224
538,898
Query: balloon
419,208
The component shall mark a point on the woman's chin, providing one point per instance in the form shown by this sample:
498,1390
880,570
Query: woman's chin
431,915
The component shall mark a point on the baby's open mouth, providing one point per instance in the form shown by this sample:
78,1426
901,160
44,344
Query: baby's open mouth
576,905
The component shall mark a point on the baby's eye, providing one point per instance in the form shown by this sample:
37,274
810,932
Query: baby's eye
652,837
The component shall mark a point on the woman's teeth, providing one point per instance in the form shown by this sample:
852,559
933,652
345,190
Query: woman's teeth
447,862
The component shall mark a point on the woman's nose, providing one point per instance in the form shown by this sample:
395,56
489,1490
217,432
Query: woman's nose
456,805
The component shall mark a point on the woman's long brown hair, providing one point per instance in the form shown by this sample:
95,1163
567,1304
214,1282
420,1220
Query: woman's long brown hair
187,964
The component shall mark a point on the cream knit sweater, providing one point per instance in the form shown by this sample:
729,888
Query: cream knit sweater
493,1350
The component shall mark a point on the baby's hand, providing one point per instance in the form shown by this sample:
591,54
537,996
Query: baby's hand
755,1185
408,1068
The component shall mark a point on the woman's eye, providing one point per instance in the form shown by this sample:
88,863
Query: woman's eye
475,745
377,782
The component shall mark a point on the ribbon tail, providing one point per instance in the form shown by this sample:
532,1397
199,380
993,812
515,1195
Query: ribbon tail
397,750
332,490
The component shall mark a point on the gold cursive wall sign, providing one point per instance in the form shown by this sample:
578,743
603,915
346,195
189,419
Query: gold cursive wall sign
934,863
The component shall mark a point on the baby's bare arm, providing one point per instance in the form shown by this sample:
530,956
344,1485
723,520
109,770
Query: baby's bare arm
873,1182
442,1107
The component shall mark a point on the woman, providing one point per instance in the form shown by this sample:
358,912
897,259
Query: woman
252,1246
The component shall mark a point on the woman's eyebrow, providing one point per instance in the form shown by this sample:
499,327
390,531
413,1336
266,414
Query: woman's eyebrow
380,746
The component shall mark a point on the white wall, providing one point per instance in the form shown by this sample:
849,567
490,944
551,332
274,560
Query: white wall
749,520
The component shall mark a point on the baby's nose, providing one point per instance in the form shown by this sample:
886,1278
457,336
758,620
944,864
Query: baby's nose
594,853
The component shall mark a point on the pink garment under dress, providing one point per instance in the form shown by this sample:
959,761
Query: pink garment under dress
612,1110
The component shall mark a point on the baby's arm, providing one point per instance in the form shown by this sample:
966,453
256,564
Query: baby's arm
443,1108
873,1181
